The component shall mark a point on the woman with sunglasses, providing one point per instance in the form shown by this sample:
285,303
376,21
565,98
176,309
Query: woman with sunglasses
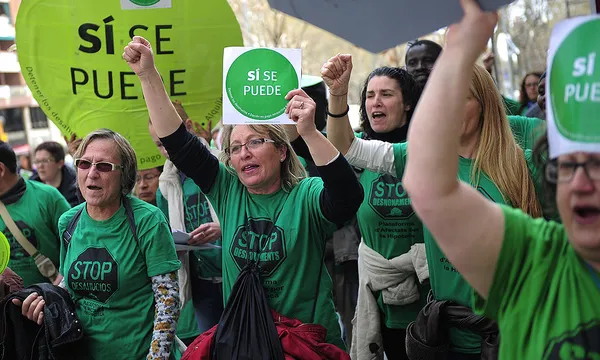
539,279
271,214
118,258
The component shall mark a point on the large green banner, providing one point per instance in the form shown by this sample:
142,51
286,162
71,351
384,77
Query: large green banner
70,53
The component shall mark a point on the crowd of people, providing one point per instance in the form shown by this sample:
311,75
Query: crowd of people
439,229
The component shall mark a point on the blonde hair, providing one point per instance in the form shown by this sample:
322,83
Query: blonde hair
498,154
291,171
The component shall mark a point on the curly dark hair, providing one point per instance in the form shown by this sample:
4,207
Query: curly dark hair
411,93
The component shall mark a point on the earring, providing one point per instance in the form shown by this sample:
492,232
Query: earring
281,160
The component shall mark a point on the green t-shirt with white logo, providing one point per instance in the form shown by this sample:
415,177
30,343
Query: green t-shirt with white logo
446,282
36,214
389,226
286,232
208,262
108,275
542,294
526,130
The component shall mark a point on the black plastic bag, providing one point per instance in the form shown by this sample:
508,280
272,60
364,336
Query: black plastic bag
246,329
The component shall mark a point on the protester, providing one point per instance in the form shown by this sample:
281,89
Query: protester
51,170
118,258
188,210
536,277
341,251
539,109
388,99
420,58
261,192
490,160
146,184
529,91
35,209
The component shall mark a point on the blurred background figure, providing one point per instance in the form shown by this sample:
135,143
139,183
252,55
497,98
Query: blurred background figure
146,184
538,110
25,169
49,159
529,91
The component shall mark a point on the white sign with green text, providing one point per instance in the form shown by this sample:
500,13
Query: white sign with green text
573,87
255,83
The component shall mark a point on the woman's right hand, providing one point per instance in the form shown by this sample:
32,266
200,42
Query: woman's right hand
139,56
32,307
336,74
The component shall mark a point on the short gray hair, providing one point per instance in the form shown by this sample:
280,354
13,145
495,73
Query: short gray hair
126,155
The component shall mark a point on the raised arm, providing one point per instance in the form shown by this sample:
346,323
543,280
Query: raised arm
139,57
342,193
336,75
185,150
468,228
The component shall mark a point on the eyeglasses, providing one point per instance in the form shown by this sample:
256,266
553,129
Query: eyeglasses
146,178
43,161
101,166
563,172
250,145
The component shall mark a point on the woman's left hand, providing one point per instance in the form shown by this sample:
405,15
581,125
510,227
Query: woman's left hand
205,233
301,109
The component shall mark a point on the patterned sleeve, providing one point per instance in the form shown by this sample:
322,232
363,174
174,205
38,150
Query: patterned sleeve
166,315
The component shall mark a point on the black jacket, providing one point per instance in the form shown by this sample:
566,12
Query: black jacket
67,186
427,338
59,337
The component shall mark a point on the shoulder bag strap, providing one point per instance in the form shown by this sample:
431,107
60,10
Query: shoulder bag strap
14,229
68,234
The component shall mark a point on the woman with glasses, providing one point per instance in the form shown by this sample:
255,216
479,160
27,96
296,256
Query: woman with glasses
270,212
539,279
117,257
49,159
146,184
529,91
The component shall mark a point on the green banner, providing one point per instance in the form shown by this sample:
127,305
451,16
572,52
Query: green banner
70,53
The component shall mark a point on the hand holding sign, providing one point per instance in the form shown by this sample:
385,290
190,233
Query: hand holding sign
301,109
139,56
336,74
474,30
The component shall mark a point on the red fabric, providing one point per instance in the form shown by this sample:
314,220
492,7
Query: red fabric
299,341
9,282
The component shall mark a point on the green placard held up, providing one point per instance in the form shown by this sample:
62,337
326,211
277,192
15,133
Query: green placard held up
70,55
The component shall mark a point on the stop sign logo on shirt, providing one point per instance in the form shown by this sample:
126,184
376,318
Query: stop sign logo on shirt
259,240
389,198
94,274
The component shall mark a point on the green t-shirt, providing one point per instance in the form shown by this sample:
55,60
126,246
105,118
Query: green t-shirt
207,262
511,106
446,282
542,294
389,226
196,212
36,214
109,277
287,232
526,130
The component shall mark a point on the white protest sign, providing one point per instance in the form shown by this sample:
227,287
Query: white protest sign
255,83
573,87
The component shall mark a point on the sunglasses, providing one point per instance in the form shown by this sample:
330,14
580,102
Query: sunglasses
101,166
